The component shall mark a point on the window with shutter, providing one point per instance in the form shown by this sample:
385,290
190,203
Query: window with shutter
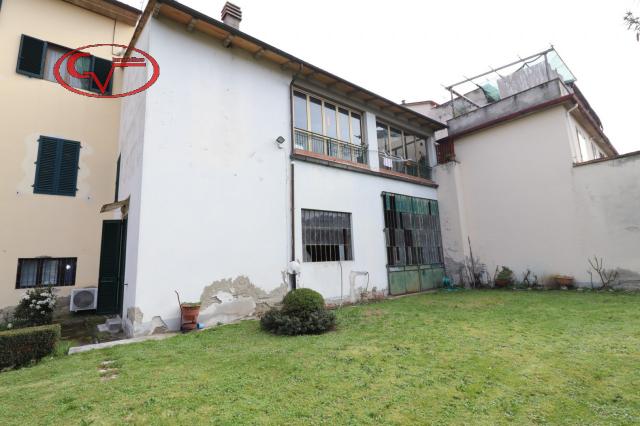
57,167
37,58
31,56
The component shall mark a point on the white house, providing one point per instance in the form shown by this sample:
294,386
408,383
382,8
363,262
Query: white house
529,180
244,166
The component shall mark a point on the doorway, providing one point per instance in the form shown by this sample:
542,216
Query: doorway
112,267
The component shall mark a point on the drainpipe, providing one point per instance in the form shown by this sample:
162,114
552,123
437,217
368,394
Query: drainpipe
292,180
573,108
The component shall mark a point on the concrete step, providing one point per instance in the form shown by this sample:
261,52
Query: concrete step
111,325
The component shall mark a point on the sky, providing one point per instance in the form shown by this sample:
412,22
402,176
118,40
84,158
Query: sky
406,50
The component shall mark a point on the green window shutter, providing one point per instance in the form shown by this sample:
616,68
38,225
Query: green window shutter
46,167
57,167
31,56
68,171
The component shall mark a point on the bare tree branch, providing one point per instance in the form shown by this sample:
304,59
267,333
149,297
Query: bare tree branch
633,23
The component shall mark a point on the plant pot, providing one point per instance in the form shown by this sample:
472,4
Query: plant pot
503,282
189,316
563,280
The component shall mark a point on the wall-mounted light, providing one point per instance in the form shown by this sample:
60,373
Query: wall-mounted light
280,141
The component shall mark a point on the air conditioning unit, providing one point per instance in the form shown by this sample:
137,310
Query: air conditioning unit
83,299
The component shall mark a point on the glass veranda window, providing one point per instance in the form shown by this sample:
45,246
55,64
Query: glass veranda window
402,151
326,118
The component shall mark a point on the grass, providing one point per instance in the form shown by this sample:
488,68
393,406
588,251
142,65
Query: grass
442,358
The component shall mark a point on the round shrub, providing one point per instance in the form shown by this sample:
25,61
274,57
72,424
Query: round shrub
302,312
302,300
292,324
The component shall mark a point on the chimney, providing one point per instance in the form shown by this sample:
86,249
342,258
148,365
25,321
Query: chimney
231,15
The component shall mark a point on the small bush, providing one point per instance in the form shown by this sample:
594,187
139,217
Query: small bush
315,322
302,300
35,307
303,312
22,346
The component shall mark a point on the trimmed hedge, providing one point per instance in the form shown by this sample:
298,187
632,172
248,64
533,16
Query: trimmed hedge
302,300
21,346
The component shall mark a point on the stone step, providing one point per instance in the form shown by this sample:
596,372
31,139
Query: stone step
111,325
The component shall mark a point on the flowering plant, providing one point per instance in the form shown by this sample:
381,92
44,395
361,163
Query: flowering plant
35,307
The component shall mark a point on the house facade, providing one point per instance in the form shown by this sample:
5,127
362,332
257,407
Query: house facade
528,179
59,149
249,172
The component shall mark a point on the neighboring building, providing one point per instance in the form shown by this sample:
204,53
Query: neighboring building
243,158
58,150
529,178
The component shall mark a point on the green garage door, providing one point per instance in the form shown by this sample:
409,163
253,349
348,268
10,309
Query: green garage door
414,244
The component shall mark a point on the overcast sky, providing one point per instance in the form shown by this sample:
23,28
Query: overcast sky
404,49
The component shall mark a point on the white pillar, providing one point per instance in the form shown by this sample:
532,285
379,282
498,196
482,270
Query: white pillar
372,140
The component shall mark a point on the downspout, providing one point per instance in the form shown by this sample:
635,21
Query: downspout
293,180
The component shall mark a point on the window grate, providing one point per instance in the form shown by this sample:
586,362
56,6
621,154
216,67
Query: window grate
326,236
46,271
412,230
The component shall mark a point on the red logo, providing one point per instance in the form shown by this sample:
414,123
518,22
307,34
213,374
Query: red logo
144,61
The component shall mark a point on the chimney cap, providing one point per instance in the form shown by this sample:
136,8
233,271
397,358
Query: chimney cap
231,10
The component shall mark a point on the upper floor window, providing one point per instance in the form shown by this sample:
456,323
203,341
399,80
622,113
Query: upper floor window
57,166
37,58
46,271
588,150
327,128
402,151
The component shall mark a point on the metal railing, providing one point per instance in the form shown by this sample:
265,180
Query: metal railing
319,144
404,166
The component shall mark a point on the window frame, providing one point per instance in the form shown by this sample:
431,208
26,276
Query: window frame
58,167
417,136
337,106
39,270
348,254
40,76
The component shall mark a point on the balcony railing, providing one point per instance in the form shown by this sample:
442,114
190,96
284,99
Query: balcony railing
407,167
330,147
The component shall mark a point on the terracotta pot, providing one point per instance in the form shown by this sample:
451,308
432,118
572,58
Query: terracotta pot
189,315
502,282
564,280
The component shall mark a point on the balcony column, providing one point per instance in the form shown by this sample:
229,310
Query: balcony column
371,141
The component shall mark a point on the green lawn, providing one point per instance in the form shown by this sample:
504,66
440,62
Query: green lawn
487,357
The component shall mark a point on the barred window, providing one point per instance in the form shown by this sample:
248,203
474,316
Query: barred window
326,236
46,271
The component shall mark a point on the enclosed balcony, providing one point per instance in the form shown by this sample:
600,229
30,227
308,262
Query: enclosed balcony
402,152
329,147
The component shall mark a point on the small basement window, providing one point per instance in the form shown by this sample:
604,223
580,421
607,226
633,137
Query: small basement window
46,271
326,236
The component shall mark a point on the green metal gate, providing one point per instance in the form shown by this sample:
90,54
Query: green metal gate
414,244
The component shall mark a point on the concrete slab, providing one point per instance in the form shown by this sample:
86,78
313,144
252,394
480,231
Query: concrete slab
85,348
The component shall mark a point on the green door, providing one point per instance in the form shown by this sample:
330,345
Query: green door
111,275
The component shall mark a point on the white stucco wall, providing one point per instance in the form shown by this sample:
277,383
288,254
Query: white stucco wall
321,187
132,125
607,211
524,205
215,191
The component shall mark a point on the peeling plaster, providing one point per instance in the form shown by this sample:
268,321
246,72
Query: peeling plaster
228,300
